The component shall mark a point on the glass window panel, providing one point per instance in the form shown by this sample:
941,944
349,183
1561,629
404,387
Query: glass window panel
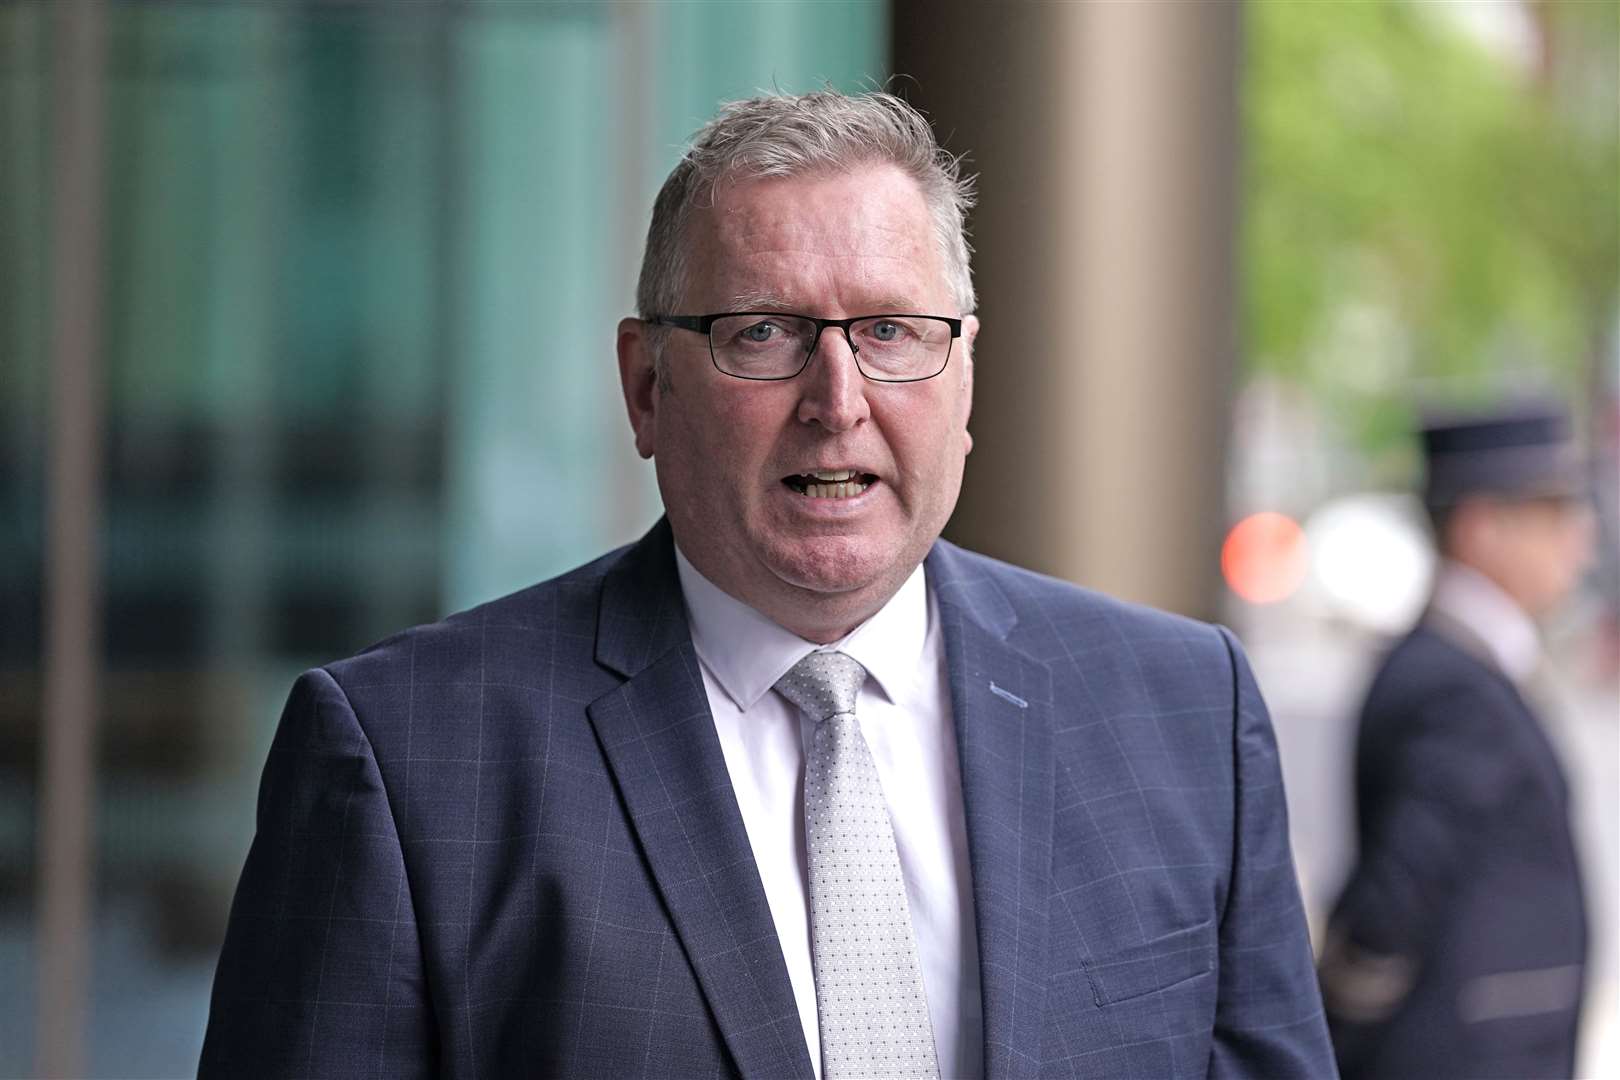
361,268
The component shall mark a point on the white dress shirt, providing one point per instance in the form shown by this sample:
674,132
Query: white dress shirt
1468,597
904,710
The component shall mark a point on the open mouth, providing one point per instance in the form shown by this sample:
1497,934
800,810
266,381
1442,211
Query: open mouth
830,483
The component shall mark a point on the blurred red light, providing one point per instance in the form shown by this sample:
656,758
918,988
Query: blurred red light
1264,558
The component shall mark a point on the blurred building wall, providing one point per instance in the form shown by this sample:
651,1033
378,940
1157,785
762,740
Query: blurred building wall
361,266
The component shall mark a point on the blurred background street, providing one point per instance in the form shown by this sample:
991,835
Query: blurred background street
1314,672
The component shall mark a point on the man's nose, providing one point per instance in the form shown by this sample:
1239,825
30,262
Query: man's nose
832,388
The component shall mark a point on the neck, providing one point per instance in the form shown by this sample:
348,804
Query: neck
1502,580
822,631
814,615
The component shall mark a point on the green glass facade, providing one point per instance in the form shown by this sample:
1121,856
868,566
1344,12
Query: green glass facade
361,270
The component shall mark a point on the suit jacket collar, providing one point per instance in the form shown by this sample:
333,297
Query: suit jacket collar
1477,616
659,740
642,616
1001,699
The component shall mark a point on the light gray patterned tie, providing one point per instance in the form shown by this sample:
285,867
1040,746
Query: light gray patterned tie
869,990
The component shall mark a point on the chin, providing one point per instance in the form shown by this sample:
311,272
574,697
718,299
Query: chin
830,564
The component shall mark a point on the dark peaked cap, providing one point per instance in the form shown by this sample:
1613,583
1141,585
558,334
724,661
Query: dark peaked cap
1526,452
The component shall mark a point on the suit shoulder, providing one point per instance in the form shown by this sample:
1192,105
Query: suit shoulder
561,607
1057,621
1424,668
1040,596
1424,649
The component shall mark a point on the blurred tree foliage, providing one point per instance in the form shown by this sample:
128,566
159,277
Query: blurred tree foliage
1427,218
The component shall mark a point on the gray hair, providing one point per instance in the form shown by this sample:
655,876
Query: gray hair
795,135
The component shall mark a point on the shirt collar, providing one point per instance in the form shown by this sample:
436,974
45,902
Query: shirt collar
747,653
1467,596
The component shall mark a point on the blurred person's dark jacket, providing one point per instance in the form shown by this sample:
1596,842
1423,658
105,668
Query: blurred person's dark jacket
1468,889
1457,948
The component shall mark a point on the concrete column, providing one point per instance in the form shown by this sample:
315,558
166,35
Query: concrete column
1105,138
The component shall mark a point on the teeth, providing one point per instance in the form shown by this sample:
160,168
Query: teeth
844,490
835,475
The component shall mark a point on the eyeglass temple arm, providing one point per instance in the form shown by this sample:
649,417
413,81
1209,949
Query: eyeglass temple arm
681,322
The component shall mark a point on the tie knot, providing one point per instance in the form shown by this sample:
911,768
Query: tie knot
823,684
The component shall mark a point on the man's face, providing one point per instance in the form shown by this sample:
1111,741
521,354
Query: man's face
1534,549
832,246
1547,545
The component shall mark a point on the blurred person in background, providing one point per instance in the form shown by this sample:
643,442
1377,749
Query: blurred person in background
790,787
1458,947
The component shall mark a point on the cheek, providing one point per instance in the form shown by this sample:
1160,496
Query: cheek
1580,540
1556,559
715,425
932,447
730,444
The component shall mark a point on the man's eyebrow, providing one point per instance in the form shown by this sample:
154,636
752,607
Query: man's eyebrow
758,300
766,300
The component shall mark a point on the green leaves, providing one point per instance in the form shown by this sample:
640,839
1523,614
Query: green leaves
1414,193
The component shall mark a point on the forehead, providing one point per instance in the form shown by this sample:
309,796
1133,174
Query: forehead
842,238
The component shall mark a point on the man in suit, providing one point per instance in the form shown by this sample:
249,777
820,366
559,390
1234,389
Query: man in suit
1457,948
790,787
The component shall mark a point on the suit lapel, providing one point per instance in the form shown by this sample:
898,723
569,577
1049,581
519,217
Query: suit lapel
659,740
1001,702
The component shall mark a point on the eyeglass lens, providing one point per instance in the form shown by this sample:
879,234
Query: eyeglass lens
887,347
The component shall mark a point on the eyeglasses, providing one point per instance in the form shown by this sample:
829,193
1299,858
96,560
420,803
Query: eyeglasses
773,345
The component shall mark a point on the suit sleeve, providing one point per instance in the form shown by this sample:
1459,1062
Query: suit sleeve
1451,780
1268,1013
321,974
1444,778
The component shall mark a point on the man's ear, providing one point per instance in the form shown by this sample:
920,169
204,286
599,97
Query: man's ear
970,333
638,379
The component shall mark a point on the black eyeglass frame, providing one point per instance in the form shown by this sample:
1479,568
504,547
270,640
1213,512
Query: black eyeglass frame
702,324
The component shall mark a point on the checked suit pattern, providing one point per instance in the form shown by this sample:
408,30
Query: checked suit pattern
506,844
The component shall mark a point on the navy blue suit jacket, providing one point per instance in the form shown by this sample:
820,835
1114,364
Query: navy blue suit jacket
506,845
1457,948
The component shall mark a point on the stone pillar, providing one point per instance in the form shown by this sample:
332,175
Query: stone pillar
1105,136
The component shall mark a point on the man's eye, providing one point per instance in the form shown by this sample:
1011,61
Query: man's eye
760,332
888,332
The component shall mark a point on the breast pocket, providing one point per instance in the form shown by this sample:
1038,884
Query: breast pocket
1153,965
